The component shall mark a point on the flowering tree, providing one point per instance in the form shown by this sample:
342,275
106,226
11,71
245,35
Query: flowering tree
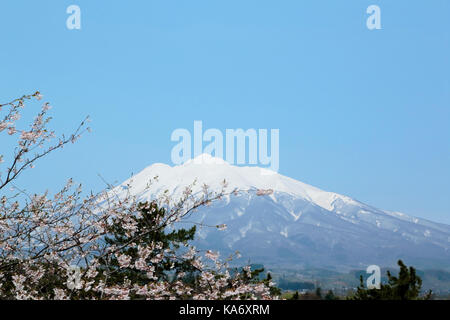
102,246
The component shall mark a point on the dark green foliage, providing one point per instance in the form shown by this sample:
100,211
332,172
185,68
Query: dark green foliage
147,233
274,291
319,292
151,229
404,287
330,296
314,295
50,280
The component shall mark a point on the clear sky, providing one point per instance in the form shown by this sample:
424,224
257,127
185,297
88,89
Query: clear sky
362,113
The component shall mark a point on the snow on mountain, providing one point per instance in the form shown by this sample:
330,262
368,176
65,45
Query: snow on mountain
298,225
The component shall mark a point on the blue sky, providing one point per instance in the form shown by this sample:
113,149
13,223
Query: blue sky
362,113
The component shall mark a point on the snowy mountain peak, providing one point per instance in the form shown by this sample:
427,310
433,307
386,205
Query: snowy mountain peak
297,223
205,158
205,169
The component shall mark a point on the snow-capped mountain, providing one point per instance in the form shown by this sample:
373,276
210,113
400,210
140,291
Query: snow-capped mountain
297,225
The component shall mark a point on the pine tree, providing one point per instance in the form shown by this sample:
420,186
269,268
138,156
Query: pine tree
404,287
147,233
274,291
319,292
330,295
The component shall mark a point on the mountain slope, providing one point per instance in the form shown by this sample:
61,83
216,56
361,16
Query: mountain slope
298,225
